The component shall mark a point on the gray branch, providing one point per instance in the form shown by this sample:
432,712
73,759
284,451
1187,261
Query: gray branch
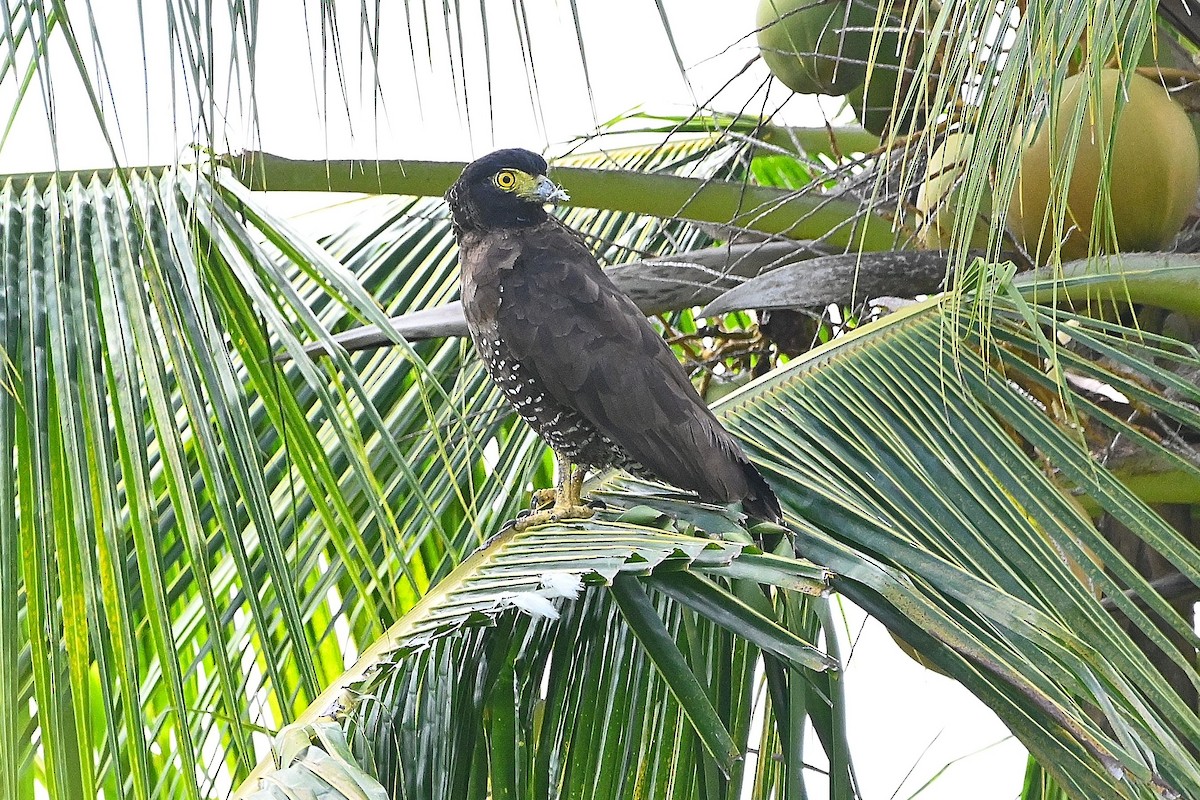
839,279
655,285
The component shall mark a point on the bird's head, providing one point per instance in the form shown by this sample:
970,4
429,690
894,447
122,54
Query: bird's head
504,189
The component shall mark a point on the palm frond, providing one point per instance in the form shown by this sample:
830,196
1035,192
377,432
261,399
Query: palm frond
933,466
490,696
835,220
173,509
912,467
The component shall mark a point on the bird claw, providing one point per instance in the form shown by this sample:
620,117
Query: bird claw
557,513
507,526
560,503
543,498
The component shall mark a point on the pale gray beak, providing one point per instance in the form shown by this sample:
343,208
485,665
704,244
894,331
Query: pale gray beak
547,191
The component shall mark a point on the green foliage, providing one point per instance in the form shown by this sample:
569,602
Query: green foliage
580,703
171,514
915,486
195,540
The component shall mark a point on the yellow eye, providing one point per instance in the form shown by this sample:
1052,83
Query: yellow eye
505,179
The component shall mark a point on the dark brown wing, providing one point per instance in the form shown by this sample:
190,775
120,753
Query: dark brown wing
592,350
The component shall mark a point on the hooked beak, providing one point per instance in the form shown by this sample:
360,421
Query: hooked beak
547,191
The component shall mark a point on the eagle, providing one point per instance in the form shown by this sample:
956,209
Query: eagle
575,357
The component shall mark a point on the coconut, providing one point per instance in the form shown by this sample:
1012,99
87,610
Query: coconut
1153,182
809,44
888,82
939,194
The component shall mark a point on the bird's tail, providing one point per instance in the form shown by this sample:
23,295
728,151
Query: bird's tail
761,502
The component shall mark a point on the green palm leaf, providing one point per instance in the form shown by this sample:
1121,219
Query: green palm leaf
456,680
899,453
171,509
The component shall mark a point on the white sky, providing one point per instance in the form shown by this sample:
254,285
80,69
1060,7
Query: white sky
900,714
629,60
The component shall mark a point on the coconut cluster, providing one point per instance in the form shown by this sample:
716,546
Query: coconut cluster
1153,171
825,47
1152,167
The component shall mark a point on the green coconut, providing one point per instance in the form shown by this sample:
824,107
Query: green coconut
1155,172
807,46
938,195
887,85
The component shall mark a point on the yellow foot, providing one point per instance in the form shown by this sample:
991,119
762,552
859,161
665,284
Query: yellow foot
556,513
543,498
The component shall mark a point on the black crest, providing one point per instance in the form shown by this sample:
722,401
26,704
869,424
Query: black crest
478,204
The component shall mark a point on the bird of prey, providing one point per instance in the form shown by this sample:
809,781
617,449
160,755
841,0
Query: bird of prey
574,356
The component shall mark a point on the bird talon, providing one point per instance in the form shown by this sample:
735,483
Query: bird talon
542,498
527,520
575,512
549,516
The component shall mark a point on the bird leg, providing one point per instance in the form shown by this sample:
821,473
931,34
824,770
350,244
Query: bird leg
575,488
566,502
